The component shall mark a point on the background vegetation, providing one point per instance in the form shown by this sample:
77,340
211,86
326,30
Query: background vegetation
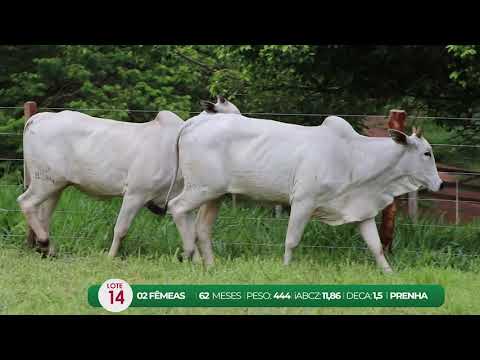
437,81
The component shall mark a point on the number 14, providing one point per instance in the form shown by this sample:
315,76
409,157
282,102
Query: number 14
118,298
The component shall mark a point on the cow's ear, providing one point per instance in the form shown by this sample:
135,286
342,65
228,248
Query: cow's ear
221,99
419,132
208,106
398,136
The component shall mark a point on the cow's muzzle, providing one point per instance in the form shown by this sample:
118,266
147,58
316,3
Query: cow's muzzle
437,187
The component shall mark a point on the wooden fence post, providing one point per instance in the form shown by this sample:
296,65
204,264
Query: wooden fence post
413,205
29,109
396,121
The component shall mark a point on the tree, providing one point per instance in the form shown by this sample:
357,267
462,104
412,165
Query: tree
335,79
96,77
465,72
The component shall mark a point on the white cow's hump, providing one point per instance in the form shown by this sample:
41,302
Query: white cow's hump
340,127
168,118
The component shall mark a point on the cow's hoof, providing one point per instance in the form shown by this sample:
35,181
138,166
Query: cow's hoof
43,247
180,257
187,256
43,252
47,253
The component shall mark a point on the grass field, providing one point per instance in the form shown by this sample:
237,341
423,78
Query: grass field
248,248
30,285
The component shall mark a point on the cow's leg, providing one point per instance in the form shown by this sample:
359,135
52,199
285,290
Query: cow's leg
369,232
30,202
45,214
205,220
131,205
186,226
159,211
181,208
300,214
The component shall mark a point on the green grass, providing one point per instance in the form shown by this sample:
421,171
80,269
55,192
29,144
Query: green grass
248,248
31,285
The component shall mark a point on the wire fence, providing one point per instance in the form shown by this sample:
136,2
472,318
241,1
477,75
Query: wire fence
260,218
272,245
248,113
64,236
425,117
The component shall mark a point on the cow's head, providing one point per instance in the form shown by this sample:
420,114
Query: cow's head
221,106
419,159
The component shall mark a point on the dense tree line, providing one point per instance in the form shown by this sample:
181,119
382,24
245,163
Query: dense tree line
337,79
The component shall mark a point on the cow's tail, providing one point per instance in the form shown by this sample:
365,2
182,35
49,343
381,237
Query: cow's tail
26,172
26,175
177,161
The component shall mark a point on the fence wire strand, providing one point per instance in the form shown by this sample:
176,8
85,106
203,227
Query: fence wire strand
249,218
247,113
265,218
223,243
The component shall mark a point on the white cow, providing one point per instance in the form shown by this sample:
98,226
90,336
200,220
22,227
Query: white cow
329,171
103,158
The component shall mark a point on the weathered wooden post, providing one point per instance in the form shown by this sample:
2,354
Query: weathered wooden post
413,205
29,109
396,121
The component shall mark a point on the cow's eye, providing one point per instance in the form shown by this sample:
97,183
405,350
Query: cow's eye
428,153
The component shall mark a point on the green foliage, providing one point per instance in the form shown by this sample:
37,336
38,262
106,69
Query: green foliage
465,72
96,77
107,77
335,79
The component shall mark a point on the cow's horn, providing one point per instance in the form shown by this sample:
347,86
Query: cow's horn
419,132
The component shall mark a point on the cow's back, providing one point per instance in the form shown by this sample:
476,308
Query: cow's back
236,154
95,154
